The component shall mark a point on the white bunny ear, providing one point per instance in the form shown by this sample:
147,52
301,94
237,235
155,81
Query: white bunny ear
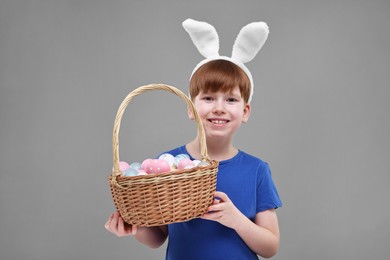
249,41
204,36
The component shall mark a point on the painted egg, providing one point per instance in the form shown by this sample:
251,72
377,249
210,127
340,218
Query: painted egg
141,172
181,156
131,172
157,166
196,162
203,164
145,163
168,158
185,163
123,166
135,165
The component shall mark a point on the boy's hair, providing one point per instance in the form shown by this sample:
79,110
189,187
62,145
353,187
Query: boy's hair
220,75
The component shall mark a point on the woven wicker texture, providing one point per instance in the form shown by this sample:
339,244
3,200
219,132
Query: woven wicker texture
160,199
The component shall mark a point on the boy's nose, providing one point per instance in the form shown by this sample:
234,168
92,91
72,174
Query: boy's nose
219,107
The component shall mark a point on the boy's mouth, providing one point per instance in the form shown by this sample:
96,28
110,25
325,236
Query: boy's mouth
218,121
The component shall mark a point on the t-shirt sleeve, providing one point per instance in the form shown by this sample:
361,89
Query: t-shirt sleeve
267,194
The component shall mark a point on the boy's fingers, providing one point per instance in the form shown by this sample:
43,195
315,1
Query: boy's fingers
121,226
107,225
221,195
216,207
134,230
114,221
212,215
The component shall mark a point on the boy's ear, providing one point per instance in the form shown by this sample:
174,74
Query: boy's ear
190,114
247,113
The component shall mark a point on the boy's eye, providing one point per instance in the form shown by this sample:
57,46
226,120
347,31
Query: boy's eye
232,100
207,98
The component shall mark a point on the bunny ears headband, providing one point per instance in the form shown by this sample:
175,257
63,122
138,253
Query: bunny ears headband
248,43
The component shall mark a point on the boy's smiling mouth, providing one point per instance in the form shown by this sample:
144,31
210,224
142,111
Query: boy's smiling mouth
218,121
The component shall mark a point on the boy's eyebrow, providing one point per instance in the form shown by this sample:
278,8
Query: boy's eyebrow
234,94
227,93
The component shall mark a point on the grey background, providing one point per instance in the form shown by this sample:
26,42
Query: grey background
320,117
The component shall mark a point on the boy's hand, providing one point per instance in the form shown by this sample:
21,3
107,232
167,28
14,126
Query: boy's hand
117,226
223,211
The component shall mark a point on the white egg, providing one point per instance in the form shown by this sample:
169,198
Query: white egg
196,162
169,158
203,164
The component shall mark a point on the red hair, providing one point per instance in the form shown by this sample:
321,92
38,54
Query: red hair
219,75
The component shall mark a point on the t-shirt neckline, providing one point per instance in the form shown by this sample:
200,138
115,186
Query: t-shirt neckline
231,160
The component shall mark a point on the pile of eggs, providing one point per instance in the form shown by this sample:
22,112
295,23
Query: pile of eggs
165,163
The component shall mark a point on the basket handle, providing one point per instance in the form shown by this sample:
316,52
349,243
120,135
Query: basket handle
138,91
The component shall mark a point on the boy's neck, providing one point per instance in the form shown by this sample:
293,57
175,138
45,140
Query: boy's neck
217,150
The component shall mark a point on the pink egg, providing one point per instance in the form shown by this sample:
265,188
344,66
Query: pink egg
145,163
157,166
123,166
185,163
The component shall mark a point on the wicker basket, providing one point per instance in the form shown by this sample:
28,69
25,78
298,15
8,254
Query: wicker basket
160,199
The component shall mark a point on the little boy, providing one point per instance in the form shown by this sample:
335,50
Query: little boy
242,222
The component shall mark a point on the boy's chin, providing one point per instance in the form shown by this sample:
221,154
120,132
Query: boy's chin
217,135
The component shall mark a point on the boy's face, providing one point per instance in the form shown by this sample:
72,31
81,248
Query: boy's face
221,113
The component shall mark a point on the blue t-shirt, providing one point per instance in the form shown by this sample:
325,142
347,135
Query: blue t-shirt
248,183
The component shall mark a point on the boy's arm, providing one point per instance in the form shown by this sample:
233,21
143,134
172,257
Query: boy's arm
262,236
151,236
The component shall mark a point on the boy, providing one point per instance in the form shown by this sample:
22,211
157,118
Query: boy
242,222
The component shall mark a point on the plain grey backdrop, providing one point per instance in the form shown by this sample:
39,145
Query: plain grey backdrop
320,117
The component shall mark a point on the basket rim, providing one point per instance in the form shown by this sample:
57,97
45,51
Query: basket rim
179,174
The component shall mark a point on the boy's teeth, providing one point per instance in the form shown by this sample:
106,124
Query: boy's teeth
218,121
